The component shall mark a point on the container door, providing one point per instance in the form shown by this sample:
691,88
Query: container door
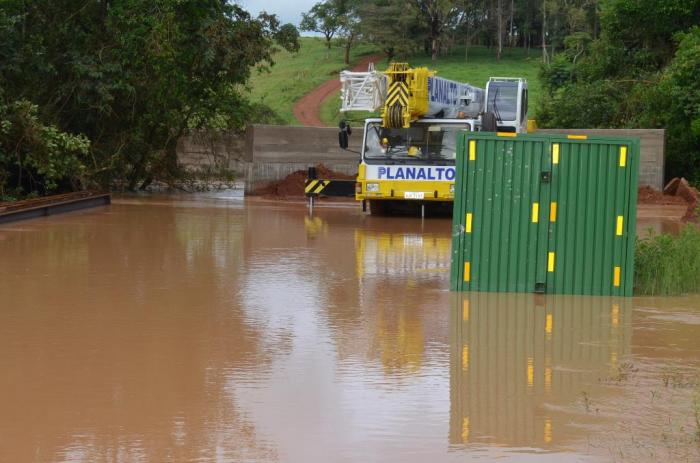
499,224
592,216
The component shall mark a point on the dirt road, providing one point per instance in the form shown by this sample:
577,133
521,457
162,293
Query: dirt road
308,109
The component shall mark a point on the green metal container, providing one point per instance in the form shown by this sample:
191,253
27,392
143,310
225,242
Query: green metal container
545,213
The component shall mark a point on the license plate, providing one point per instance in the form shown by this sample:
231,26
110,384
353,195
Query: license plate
414,195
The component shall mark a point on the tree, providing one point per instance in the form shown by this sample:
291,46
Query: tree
679,98
134,75
472,18
349,24
641,72
325,18
391,26
35,157
440,15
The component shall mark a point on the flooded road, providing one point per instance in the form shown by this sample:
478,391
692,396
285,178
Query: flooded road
210,330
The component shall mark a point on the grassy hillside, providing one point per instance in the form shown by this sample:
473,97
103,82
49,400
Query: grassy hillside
482,64
295,74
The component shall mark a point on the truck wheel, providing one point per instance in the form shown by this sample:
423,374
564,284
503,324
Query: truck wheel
378,208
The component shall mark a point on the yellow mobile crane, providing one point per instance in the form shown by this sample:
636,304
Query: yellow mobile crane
408,154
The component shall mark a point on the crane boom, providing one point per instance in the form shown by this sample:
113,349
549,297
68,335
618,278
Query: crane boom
404,94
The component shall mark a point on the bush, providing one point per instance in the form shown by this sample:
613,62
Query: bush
35,157
668,265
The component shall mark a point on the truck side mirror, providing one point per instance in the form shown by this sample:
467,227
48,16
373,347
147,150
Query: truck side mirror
343,134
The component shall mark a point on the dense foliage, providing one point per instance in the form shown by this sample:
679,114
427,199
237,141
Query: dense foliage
38,156
642,72
100,91
402,27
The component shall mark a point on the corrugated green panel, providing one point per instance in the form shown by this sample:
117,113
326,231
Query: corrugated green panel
593,193
542,212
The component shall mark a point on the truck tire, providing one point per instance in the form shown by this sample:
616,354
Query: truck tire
378,208
489,122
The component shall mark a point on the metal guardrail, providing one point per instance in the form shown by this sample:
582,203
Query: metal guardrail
51,205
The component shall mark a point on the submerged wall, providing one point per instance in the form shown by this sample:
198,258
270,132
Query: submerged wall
267,153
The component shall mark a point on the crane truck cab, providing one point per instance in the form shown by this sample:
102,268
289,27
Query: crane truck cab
413,164
408,155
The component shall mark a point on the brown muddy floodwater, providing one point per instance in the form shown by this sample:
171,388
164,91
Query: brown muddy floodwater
212,330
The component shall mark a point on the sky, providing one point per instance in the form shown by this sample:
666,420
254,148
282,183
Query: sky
288,11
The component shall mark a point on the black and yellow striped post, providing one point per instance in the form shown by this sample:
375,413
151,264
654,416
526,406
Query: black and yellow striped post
314,186
311,177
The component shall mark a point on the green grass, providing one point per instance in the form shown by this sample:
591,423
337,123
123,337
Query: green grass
668,265
295,74
481,65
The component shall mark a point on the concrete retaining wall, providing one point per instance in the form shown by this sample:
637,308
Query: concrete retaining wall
652,147
267,153
203,150
277,151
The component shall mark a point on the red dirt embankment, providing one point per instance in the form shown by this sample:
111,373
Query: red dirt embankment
308,109
676,192
648,195
680,188
293,184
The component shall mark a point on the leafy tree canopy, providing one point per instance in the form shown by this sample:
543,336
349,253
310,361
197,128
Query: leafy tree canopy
131,76
640,73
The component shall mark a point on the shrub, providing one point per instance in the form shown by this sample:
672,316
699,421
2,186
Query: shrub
667,264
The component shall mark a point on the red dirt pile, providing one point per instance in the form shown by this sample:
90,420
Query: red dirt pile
680,188
293,184
648,195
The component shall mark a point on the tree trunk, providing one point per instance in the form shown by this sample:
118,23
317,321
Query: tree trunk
545,57
348,44
527,44
512,12
499,19
435,26
466,46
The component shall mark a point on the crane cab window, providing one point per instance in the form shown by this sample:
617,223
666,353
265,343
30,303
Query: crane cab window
503,100
422,143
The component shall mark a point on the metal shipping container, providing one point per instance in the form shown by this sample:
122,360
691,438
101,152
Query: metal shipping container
545,213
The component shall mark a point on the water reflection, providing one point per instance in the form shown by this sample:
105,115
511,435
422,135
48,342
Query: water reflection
523,367
401,255
400,274
114,335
